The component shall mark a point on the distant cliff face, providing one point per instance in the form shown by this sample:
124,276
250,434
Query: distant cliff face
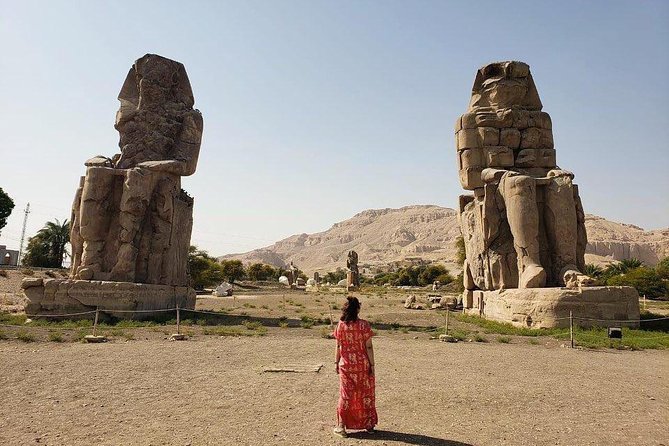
383,236
618,241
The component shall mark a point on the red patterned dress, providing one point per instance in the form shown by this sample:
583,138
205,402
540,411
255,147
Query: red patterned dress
357,405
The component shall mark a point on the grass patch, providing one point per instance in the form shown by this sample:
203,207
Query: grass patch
24,336
283,324
478,338
3,335
326,333
12,319
534,341
633,339
253,325
55,336
503,339
494,327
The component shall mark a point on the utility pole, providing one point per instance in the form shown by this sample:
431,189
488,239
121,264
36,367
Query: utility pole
26,211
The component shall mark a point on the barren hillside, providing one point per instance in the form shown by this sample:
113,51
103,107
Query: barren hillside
383,236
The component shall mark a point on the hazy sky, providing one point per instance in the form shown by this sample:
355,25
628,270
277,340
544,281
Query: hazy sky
316,110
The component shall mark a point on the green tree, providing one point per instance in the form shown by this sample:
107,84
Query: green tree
233,270
47,248
632,263
260,271
430,273
6,206
662,268
334,277
593,271
199,262
646,281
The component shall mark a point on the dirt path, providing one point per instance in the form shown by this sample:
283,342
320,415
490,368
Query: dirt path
210,391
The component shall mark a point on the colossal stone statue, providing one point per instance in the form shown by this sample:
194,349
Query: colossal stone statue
353,276
524,225
131,221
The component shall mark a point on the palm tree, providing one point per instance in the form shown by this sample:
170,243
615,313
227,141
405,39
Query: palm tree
593,271
632,263
47,247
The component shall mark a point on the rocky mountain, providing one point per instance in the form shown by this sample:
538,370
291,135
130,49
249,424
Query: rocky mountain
428,233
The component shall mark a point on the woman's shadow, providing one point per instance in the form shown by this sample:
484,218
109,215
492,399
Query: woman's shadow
416,439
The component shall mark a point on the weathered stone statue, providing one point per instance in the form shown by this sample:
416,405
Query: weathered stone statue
353,276
131,221
523,227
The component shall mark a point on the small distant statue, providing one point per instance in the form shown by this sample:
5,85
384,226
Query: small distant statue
131,220
353,276
524,226
293,273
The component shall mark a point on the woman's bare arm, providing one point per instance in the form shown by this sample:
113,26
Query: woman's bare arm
370,355
337,356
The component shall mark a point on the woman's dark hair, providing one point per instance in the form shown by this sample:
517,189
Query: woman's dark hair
349,312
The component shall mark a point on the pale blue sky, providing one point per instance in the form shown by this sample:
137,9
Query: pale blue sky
316,110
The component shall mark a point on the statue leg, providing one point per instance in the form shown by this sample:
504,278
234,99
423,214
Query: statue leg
137,190
93,220
562,230
519,193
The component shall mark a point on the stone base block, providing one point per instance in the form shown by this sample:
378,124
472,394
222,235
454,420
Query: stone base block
61,296
550,307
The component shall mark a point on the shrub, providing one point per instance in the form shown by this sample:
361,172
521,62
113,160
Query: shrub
24,336
54,336
504,339
253,325
479,338
646,281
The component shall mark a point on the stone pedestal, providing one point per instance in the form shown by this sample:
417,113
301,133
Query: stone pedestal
352,281
550,307
61,296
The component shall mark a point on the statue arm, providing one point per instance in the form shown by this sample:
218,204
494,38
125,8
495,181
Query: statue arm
187,152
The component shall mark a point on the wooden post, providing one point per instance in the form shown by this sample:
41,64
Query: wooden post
571,328
644,302
178,319
95,324
447,312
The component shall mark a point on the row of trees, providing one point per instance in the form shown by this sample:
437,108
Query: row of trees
419,275
206,271
650,282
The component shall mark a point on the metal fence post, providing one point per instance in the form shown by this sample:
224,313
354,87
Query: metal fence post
178,319
571,328
95,324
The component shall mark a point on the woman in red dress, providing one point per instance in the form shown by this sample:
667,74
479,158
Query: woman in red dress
354,362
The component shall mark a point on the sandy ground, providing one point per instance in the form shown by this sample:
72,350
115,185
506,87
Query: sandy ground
211,391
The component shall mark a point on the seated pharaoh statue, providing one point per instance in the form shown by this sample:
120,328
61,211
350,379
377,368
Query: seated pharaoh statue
131,220
523,227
